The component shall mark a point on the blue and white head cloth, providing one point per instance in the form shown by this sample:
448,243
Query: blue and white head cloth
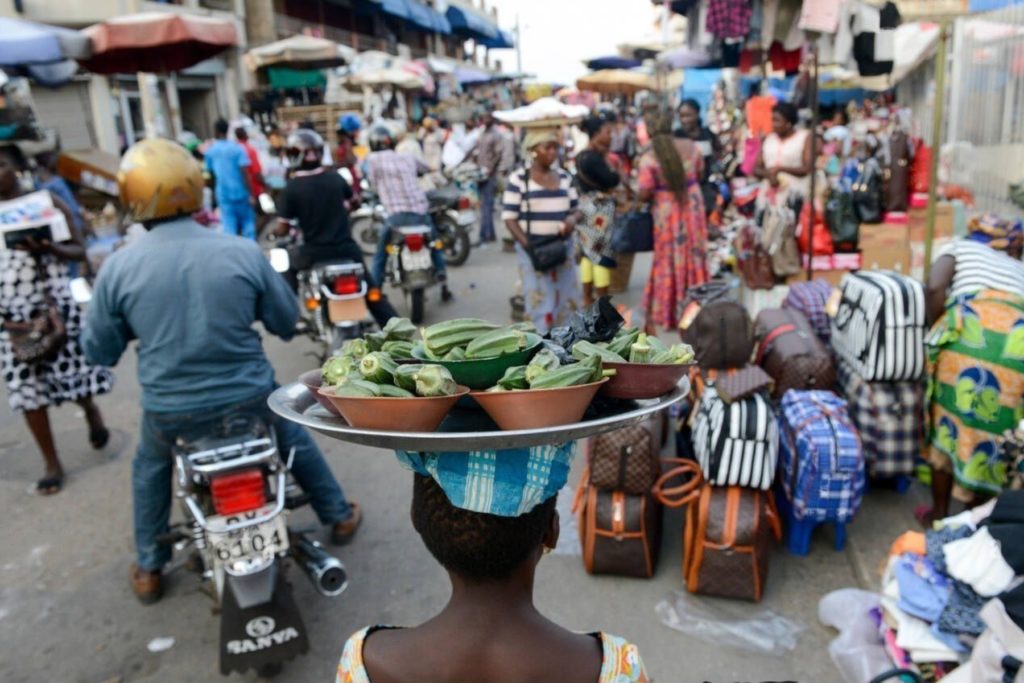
507,483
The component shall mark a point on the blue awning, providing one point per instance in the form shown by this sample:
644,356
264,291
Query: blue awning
471,24
413,11
504,40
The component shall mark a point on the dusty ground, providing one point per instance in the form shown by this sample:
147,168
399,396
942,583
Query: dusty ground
67,613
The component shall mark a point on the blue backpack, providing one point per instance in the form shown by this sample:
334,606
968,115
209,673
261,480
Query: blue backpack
822,464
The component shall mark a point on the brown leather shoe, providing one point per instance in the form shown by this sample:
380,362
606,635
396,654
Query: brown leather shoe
146,585
342,532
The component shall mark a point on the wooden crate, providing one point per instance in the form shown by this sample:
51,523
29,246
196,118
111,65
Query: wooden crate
323,116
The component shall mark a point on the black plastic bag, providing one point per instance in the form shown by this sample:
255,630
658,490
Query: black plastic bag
597,323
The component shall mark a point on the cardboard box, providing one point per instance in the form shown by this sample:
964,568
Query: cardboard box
944,221
833,277
885,246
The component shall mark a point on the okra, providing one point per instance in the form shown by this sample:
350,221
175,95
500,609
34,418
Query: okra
378,367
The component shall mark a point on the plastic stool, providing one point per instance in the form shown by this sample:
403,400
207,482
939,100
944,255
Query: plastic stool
798,531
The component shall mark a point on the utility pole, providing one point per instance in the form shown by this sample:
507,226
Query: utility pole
519,47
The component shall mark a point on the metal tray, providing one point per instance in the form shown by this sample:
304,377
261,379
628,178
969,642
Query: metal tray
468,430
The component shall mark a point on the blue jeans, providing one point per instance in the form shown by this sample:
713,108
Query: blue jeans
487,190
238,218
397,220
151,470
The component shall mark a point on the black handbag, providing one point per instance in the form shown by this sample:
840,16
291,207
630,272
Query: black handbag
843,223
867,195
546,252
633,232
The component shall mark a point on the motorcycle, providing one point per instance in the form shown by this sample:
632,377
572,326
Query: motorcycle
236,493
409,265
450,207
332,296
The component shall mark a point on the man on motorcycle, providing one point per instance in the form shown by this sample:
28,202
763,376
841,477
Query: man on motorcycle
315,198
394,176
349,126
190,296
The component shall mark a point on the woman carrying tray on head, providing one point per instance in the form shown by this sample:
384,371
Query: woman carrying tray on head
490,631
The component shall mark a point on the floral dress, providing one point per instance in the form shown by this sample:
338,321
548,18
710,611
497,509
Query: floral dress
680,240
621,661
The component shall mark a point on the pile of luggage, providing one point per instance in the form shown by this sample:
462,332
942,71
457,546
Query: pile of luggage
790,412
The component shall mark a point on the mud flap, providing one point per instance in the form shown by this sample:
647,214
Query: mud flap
261,634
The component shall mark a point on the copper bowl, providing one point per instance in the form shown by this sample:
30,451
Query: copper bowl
390,414
643,380
537,408
312,381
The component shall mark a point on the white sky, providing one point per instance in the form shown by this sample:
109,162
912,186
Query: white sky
558,34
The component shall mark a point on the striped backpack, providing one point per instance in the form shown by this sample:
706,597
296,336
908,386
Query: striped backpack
822,463
736,443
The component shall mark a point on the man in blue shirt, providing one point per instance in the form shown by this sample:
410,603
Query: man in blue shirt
228,164
190,296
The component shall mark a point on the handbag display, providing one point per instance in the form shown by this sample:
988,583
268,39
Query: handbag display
778,237
38,339
633,232
722,336
546,252
867,193
898,194
791,352
736,443
921,168
727,536
879,326
624,460
842,221
821,244
620,533
755,265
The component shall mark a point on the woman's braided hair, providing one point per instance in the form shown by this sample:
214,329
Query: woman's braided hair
475,545
673,170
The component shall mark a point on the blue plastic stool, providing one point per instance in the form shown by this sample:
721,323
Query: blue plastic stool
798,531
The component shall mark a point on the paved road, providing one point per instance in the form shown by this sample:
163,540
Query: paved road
67,614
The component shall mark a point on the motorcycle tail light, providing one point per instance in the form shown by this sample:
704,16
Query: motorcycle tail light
345,284
465,203
414,242
240,491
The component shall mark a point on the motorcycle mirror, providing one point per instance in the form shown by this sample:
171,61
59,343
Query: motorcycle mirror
279,260
81,290
267,203
347,175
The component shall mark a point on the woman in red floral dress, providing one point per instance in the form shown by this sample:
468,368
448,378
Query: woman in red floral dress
669,176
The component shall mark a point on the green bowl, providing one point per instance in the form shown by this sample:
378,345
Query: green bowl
483,373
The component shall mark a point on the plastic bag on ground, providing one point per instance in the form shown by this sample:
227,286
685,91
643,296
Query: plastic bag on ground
735,623
599,322
858,652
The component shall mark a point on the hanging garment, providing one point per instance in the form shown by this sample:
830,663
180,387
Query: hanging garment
783,59
759,114
867,37
821,16
728,18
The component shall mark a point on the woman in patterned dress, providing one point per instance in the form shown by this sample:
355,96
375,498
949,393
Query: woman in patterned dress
490,631
29,279
669,176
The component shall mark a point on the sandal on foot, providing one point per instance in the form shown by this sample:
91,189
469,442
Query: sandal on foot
99,437
47,486
924,515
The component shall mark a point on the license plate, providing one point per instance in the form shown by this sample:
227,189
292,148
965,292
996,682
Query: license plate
415,260
266,539
467,217
346,310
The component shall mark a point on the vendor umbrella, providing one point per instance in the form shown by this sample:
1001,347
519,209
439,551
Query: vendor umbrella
24,43
156,42
612,62
624,81
300,52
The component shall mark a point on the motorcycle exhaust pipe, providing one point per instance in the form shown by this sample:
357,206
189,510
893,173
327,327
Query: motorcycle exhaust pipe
325,571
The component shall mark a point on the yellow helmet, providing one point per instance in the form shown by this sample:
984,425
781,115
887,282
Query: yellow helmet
159,179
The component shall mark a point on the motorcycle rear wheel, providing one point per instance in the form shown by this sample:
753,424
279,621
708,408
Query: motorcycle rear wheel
456,244
416,299
366,232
